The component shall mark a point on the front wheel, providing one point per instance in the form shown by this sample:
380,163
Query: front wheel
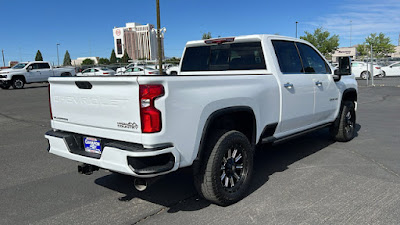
343,129
226,171
18,83
5,86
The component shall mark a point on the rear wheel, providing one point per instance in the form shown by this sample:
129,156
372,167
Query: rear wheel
224,176
18,83
66,74
365,74
383,74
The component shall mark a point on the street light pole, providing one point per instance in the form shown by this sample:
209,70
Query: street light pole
351,30
296,28
2,52
58,59
159,37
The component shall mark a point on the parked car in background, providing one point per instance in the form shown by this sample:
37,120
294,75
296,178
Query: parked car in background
139,70
97,71
391,70
360,69
173,70
136,64
31,72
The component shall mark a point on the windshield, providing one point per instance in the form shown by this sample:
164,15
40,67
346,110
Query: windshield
19,66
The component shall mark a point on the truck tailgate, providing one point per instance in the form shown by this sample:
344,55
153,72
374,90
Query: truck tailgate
110,103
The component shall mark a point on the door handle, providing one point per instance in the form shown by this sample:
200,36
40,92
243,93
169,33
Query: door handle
288,85
318,83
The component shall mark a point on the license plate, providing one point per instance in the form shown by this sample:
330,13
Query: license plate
92,145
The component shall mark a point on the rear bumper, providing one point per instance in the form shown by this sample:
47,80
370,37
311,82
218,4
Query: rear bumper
121,157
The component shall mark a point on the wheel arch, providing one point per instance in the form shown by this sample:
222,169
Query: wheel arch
240,118
350,94
18,75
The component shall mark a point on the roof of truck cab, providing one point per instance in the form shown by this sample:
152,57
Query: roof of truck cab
243,38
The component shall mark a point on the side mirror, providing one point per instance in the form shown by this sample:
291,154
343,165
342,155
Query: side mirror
29,68
344,68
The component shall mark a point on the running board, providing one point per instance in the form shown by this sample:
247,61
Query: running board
275,141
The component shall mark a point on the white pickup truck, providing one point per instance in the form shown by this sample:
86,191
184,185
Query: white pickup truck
31,72
230,96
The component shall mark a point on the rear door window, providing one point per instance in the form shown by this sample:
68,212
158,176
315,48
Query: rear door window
44,66
238,56
288,57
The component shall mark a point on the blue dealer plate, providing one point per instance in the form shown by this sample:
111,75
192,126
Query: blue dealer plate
92,145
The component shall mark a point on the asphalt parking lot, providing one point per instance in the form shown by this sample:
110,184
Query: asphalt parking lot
310,180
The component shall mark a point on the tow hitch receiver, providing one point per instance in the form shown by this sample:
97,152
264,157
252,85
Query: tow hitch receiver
87,169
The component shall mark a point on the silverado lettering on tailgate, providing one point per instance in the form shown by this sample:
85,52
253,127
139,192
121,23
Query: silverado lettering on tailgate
90,101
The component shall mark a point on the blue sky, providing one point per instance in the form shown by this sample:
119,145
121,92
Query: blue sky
84,28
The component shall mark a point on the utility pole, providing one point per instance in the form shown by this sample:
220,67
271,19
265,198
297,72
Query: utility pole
2,52
58,58
296,28
159,37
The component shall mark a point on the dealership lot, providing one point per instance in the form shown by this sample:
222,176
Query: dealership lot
309,180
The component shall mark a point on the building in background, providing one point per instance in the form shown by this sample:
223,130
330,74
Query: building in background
78,61
396,54
345,51
140,41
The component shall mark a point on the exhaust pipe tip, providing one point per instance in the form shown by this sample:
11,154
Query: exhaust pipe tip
140,184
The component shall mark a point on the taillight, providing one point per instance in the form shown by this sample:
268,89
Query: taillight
105,73
51,113
377,67
150,116
151,72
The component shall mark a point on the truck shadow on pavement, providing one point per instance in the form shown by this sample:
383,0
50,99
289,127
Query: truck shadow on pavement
177,192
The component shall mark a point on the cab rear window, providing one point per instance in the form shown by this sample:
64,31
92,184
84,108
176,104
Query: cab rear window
239,56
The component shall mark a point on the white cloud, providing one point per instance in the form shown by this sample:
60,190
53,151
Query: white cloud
366,17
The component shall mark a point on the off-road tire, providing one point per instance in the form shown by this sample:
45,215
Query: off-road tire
18,83
216,163
5,86
343,129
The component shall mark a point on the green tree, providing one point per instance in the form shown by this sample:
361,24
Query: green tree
38,56
206,35
322,40
67,59
381,45
173,60
113,58
104,61
125,58
362,50
88,62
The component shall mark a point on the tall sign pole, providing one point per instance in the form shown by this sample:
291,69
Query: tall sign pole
159,37
296,28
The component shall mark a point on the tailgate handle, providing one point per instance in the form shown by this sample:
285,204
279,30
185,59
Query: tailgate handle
83,84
